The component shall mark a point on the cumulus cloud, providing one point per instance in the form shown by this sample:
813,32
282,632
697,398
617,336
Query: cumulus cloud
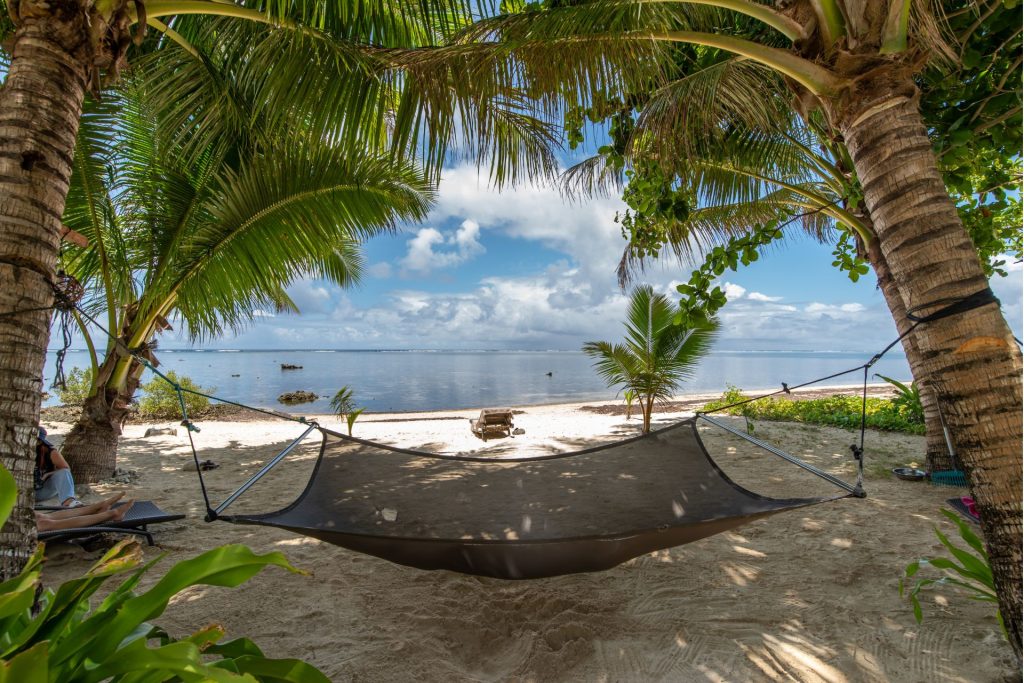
732,290
431,249
758,296
585,232
310,297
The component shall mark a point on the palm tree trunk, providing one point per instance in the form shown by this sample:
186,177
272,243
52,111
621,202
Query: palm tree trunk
40,103
936,448
648,410
91,446
971,358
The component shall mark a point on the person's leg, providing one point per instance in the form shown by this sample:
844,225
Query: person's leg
53,522
65,485
47,491
101,506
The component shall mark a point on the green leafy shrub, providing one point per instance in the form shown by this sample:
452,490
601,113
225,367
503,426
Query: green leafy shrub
159,399
907,400
77,386
968,570
833,411
62,637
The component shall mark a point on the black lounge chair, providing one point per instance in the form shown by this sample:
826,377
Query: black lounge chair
136,521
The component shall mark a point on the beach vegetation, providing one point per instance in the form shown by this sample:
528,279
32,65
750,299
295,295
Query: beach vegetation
967,569
59,634
343,402
77,387
838,410
656,356
907,399
160,398
344,406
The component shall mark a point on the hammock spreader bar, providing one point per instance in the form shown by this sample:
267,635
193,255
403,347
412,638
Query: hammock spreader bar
211,516
857,490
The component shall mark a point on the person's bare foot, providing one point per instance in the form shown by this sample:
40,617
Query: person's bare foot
118,513
108,503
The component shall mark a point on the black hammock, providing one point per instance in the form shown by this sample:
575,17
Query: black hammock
525,518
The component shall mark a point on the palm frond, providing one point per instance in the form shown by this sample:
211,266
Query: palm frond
592,177
657,355
695,113
301,213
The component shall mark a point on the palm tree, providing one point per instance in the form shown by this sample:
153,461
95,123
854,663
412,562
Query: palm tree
657,354
853,64
212,244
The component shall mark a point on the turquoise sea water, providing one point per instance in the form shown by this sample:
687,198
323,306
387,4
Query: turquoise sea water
435,380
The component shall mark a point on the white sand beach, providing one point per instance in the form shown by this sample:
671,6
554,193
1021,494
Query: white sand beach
807,595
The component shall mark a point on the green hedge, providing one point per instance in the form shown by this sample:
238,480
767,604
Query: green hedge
833,411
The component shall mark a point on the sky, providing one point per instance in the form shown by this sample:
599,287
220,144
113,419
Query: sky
527,269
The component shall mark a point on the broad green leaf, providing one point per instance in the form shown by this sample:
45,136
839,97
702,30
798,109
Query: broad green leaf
182,659
966,532
226,566
29,666
237,647
8,494
280,670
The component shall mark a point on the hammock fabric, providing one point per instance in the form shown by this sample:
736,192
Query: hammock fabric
506,519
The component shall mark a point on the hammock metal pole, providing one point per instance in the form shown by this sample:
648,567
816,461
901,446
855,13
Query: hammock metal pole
855,490
259,475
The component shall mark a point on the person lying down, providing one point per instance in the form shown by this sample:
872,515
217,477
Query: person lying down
99,513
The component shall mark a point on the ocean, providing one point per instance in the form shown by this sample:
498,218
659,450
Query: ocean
400,381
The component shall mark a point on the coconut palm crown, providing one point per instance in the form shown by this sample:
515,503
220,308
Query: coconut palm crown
207,242
656,356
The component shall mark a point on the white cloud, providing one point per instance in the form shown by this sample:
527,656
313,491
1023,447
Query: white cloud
379,270
733,291
758,296
584,231
841,310
1010,290
425,250
313,298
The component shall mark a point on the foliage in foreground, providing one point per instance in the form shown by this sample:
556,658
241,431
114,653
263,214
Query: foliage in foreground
885,414
62,637
77,387
159,399
968,570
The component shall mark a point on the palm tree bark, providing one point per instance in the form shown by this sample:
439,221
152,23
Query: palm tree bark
936,449
91,446
40,103
971,359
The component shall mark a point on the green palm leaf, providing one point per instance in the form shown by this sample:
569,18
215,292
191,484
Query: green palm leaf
656,355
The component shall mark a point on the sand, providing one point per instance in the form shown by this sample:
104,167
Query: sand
808,595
